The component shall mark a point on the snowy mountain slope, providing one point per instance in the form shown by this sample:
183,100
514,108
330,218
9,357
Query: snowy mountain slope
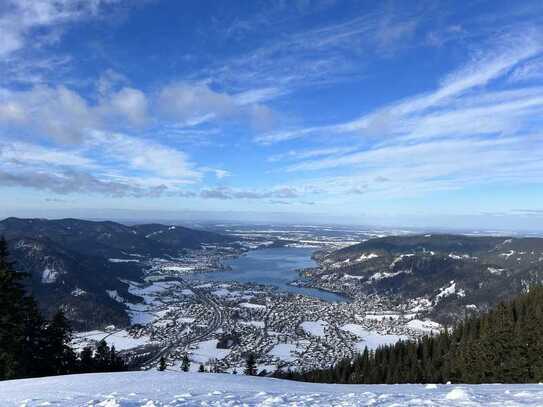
74,263
153,389
453,274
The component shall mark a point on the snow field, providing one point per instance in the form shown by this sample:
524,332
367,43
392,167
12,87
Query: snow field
153,388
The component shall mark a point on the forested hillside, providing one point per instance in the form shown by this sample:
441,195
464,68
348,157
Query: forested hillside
502,346
446,276
31,345
75,263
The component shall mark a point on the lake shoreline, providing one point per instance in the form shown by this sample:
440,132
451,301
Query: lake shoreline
278,267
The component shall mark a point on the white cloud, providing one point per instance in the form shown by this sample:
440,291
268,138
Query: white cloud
55,112
195,103
39,155
325,54
219,173
145,155
474,76
111,164
257,95
70,182
65,116
183,102
470,131
19,18
531,70
227,193
11,112
129,103
66,172
402,170
310,153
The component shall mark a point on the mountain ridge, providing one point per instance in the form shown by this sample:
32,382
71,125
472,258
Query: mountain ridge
452,274
72,263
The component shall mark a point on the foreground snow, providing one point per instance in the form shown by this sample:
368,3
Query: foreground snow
153,389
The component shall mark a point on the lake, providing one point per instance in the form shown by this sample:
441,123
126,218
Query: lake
275,266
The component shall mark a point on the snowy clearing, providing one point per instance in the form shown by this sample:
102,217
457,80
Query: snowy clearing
120,339
251,305
365,256
196,389
315,328
424,326
283,351
180,269
123,260
372,340
207,350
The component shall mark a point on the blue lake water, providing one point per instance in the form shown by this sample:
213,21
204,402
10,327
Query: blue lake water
276,267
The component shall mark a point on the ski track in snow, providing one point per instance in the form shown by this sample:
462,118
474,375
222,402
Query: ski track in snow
154,389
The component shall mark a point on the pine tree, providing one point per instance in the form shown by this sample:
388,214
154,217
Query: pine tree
61,357
185,363
250,365
503,345
201,369
86,361
162,364
102,356
31,346
11,324
116,363
21,326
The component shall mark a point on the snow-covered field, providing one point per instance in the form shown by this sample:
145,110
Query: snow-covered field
153,389
120,339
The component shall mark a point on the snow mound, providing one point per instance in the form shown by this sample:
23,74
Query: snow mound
457,394
153,388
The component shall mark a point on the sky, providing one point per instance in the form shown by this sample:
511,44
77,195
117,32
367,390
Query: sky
425,113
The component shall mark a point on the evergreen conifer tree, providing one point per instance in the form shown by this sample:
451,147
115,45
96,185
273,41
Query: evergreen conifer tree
31,346
250,365
162,364
185,363
61,357
21,326
503,345
86,360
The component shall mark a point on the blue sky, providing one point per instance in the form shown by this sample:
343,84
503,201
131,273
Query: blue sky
404,113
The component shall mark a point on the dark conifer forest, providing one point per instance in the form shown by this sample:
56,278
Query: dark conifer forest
31,346
502,346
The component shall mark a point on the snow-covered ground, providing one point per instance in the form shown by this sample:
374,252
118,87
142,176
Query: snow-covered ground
153,389
371,340
120,339
315,328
